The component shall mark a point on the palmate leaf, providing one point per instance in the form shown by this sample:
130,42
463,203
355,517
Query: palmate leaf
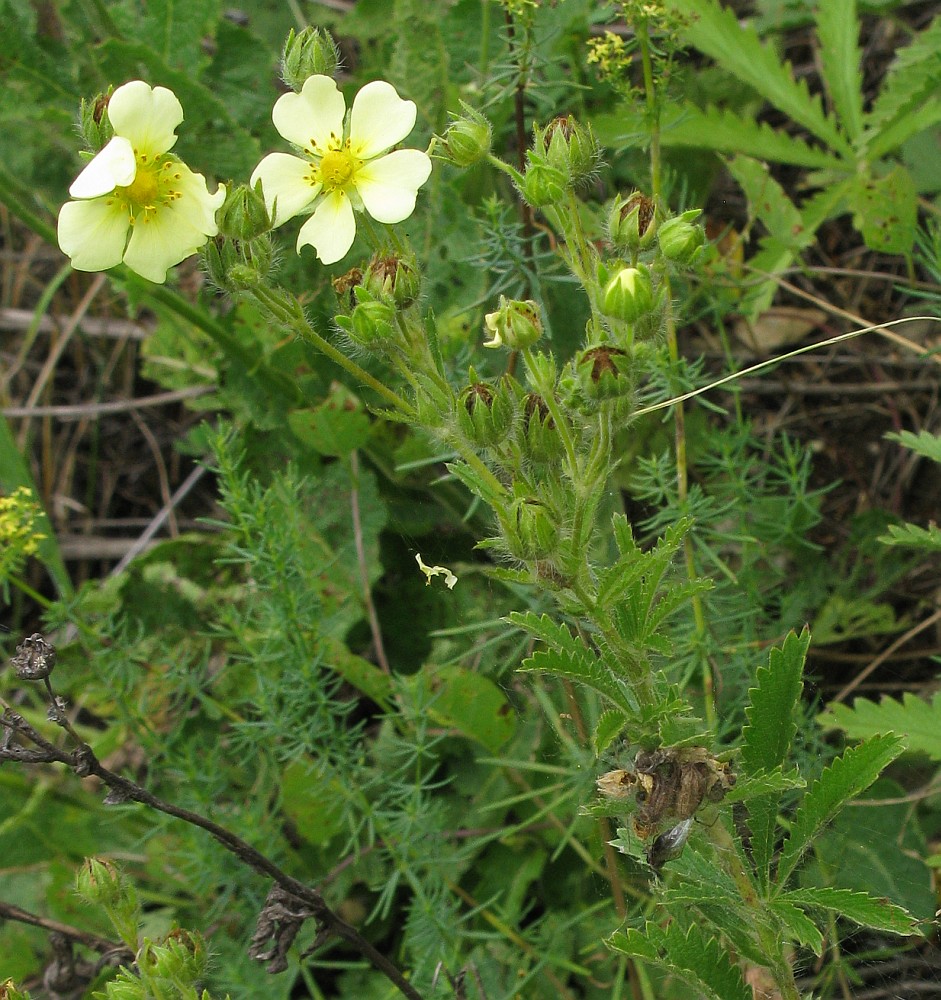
838,31
691,955
918,720
725,132
716,31
859,907
846,777
924,443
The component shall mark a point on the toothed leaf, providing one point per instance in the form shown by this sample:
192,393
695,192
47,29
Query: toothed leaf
838,31
859,907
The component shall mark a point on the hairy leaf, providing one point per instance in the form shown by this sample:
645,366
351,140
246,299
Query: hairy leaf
913,537
608,728
796,926
859,907
924,443
918,720
691,955
846,777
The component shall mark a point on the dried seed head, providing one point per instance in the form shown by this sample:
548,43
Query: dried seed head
34,659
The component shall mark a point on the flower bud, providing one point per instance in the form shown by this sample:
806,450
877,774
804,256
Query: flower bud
543,185
570,148
180,957
540,438
393,279
243,214
632,223
681,240
102,882
34,659
311,52
515,324
535,532
485,413
605,372
468,138
236,265
628,295
94,122
370,324
345,288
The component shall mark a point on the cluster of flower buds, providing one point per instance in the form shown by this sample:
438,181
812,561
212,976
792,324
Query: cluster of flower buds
371,298
564,156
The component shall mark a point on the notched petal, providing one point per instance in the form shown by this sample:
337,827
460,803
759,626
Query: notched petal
379,119
113,167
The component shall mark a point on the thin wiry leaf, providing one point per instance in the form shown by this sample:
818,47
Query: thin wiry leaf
715,30
838,31
846,777
859,907
725,132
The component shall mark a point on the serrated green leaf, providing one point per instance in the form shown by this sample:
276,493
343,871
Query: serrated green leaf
771,725
477,483
796,926
768,202
716,31
886,211
846,777
838,31
750,786
918,720
724,131
924,443
592,673
859,907
608,728
912,80
692,956
913,537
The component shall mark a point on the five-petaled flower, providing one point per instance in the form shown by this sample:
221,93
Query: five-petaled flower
344,165
136,202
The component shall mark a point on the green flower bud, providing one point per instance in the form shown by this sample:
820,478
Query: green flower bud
393,279
236,265
605,372
180,957
102,882
243,214
515,324
485,413
681,240
569,147
94,122
311,52
539,437
534,533
632,222
628,295
370,324
468,138
543,185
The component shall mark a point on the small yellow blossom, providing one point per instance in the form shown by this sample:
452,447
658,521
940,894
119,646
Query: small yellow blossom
19,538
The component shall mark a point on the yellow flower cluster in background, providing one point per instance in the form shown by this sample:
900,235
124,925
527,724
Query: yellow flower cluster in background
19,538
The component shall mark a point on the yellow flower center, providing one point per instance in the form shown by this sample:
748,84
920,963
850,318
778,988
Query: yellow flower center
142,191
155,184
336,169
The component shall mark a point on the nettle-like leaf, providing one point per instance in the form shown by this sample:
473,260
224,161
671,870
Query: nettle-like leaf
923,443
726,132
691,955
838,32
859,907
846,777
918,720
907,102
767,741
607,729
568,656
797,926
716,31
911,536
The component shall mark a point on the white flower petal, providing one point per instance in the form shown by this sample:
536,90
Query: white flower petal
196,203
113,166
389,185
147,116
379,119
310,118
93,233
331,229
158,242
288,179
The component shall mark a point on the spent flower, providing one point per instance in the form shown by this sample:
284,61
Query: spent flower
135,201
345,163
